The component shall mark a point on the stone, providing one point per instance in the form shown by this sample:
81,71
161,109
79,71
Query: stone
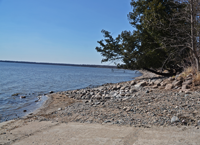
132,83
97,103
107,97
123,87
128,109
184,87
98,97
155,86
171,78
16,94
118,86
187,91
132,90
174,119
163,83
107,121
141,84
113,93
24,110
122,94
198,123
88,97
59,109
188,82
125,99
168,86
157,82
22,97
50,92
115,88
177,83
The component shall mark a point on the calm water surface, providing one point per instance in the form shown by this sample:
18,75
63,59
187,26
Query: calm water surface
33,80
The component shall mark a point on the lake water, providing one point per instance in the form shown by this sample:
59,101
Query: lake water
33,80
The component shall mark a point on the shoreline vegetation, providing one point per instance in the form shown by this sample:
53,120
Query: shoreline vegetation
147,102
60,64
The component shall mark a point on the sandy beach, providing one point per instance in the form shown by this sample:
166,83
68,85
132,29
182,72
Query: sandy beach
141,111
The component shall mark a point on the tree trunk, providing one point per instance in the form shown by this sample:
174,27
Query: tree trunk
158,73
192,35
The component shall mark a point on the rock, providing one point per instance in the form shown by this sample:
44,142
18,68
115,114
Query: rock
22,97
184,87
128,109
24,110
147,91
98,97
107,97
132,83
187,91
141,84
171,78
177,83
124,108
59,109
163,83
157,82
198,123
188,82
50,92
16,94
168,86
174,119
189,76
115,88
125,99
88,97
113,93
107,121
155,86
123,87
118,87
97,103
132,90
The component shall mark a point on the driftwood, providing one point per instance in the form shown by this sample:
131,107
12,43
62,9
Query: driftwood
159,73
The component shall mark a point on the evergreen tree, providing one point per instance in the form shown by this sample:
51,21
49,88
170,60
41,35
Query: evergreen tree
143,48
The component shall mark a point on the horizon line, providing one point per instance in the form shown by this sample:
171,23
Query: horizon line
63,64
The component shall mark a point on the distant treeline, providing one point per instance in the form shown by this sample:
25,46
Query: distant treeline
62,64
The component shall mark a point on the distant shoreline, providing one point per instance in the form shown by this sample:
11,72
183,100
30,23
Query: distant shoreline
61,64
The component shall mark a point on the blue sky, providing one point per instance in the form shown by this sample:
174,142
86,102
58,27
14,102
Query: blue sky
59,31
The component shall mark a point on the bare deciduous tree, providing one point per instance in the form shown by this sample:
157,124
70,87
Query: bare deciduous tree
182,32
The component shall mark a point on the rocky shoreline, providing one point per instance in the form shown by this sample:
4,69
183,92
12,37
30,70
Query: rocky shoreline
147,101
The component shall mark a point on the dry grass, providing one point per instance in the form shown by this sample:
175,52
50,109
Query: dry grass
194,74
196,78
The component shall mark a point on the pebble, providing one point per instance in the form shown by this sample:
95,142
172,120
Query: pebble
135,106
174,119
107,121
198,123
50,92
22,97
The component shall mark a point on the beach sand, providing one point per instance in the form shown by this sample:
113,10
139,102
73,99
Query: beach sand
51,125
